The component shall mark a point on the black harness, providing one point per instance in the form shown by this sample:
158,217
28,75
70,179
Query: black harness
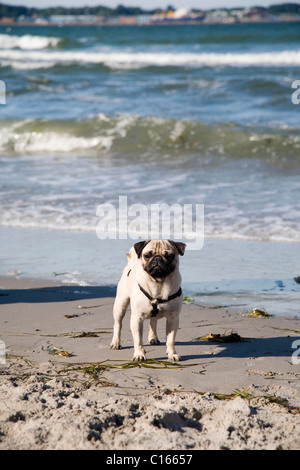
155,302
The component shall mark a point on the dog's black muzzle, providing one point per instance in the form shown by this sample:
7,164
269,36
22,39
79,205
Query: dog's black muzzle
159,267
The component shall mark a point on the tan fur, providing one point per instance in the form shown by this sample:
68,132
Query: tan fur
128,291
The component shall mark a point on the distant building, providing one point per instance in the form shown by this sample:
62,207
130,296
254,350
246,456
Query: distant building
5,20
41,21
237,13
180,13
75,19
127,20
218,16
143,19
287,17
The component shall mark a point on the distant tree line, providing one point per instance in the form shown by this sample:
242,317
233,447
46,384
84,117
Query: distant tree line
11,11
284,8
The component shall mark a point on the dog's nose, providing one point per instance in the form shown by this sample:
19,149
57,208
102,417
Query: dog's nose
157,258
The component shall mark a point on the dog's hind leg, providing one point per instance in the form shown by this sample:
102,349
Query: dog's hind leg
120,307
152,337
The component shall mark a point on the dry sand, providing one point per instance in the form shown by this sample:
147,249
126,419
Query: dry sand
243,395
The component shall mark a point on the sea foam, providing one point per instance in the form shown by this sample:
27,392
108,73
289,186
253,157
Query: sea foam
27,42
119,59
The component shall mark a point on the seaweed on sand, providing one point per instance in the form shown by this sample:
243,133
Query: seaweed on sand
95,370
257,313
269,399
58,351
232,337
81,334
188,300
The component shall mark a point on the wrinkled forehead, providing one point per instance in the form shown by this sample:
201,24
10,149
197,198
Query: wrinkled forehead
158,246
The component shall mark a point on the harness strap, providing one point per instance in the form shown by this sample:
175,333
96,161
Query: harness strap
154,301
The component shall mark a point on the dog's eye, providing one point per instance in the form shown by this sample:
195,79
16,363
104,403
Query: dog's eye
170,256
147,255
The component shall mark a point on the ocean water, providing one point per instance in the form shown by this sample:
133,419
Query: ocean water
178,114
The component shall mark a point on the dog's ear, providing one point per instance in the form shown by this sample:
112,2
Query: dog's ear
180,247
139,246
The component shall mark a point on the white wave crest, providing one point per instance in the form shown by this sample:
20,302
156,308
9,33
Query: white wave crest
33,137
50,142
129,60
27,42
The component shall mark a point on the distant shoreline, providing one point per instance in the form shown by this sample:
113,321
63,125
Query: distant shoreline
135,16
163,23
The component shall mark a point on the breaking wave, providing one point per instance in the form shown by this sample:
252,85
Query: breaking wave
150,137
27,42
16,53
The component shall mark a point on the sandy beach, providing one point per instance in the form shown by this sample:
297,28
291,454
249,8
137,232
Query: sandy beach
63,388
113,135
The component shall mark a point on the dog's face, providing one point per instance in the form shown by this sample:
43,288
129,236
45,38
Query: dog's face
159,257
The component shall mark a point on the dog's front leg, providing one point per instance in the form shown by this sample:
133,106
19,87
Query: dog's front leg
136,325
152,337
171,330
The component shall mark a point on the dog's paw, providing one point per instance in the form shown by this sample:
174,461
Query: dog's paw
115,346
174,357
153,341
139,357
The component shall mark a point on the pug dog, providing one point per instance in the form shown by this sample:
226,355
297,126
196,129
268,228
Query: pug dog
151,283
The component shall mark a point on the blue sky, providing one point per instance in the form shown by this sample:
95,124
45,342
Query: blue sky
147,4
